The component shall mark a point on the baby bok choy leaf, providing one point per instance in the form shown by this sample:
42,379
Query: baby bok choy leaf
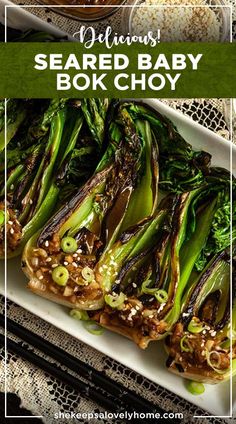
89,223
152,268
16,111
181,168
32,190
199,346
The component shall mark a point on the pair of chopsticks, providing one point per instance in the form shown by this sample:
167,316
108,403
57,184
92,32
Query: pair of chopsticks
111,395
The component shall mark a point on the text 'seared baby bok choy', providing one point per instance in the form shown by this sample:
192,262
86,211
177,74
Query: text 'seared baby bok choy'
62,260
143,244
50,153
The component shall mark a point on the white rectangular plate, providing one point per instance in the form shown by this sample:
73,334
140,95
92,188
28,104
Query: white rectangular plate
149,363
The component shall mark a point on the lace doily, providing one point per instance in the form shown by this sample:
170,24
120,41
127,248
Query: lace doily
43,395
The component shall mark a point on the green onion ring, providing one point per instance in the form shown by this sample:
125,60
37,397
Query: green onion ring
93,328
4,217
80,315
115,301
195,388
161,296
60,275
69,245
185,345
195,327
214,366
87,274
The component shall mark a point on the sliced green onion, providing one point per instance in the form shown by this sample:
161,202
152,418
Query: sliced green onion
115,301
161,296
146,290
195,388
93,328
185,345
3,217
60,275
80,315
87,274
195,327
214,364
69,245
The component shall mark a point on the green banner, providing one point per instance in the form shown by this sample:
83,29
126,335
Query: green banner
46,70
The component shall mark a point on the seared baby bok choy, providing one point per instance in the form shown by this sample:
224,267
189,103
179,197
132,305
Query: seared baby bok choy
140,244
199,346
154,261
61,260
49,157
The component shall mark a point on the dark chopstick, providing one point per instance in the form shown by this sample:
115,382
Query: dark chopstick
119,398
51,368
86,371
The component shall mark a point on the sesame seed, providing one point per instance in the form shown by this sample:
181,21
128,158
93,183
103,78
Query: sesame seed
12,231
75,255
175,24
41,277
74,264
65,263
79,251
134,285
54,265
30,201
10,222
48,259
46,243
